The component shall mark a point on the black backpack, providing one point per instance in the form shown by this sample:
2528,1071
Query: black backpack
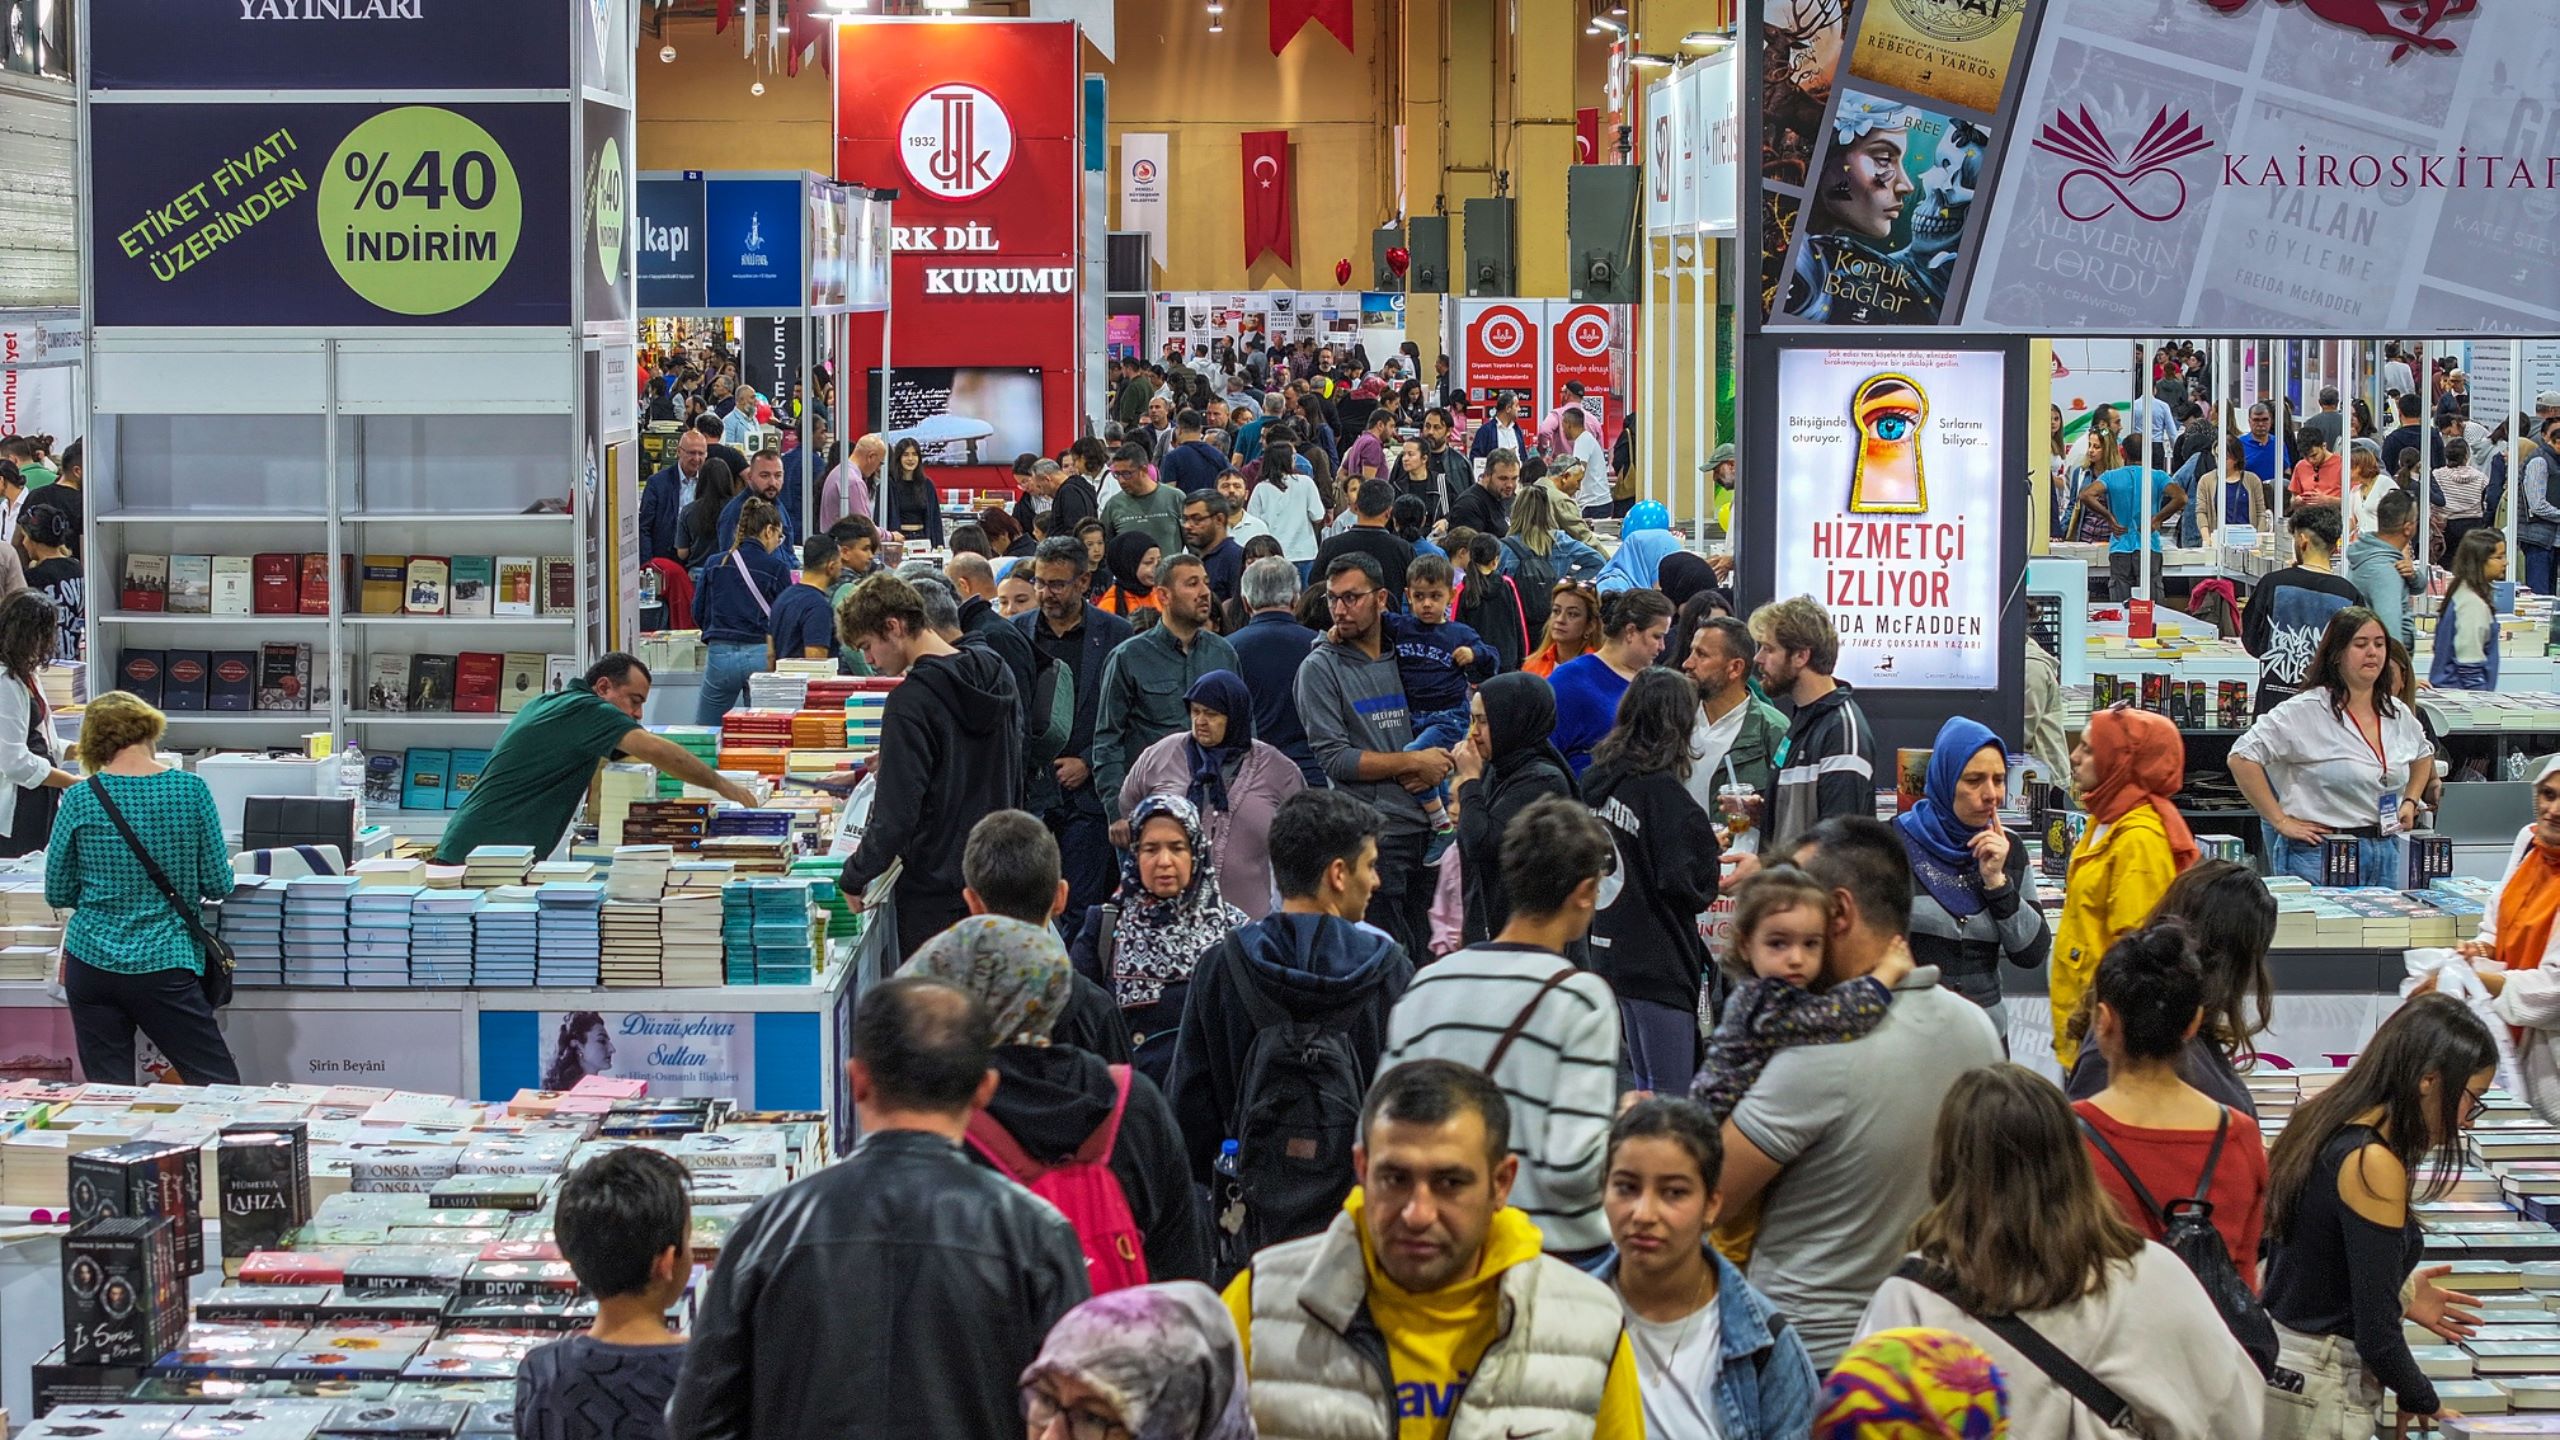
1296,1117
1535,575
2186,1228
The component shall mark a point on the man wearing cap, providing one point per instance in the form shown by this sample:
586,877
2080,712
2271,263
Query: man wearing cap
1719,468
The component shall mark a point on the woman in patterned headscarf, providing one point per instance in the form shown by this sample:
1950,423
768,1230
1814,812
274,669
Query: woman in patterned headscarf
1143,945
1158,1362
1913,1384
1056,1102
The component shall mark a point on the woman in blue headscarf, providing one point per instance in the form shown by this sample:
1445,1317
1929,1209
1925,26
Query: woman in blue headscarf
1235,781
1974,899
1638,563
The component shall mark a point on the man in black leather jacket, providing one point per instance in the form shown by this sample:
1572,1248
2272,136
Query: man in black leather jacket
901,1292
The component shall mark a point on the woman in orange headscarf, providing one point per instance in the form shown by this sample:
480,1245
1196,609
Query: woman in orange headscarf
2125,769
2516,953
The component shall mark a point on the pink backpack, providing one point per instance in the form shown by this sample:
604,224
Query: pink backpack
1083,1188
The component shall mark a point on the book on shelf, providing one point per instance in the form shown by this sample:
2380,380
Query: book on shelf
235,681
515,585
467,765
378,584
139,672
426,592
559,672
559,585
520,681
183,688
277,583
422,778
475,682
315,584
382,770
190,584
234,579
284,676
431,683
146,583
386,684
472,577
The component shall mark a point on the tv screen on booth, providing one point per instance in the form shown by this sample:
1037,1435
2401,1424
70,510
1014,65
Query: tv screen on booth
962,414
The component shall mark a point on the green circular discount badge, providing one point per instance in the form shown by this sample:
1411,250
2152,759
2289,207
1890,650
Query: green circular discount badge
420,211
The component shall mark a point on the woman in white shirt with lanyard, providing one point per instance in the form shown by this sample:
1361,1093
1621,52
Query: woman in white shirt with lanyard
2340,760
30,783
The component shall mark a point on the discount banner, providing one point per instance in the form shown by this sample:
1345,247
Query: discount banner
331,214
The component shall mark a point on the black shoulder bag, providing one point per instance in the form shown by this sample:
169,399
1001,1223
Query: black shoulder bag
217,952
2186,1225
2110,1408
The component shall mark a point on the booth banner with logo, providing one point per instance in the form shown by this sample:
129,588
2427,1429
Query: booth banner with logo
752,246
670,245
1693,159
1535,346
1890,506
366,45
2349,166
1145,180
276,213
977,124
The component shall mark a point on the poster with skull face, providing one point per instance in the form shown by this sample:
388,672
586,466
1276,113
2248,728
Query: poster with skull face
1883,236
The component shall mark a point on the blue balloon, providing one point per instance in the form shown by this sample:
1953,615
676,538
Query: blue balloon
1647,515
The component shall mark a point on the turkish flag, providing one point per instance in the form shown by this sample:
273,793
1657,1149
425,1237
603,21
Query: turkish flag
1288,17
1269,220
1586,135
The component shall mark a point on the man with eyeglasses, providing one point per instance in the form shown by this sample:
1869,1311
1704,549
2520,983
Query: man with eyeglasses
1141,502
1351,700
1068,630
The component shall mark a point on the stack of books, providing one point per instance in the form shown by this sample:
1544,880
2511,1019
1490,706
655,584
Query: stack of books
490,866
616,789
639,872
315,928
822,872
775,690
751,855
386,871
689,938
678,824
569,936
702,740
863,709
253,924
378,934
442,937
829,692
818,730
560,872
765,929
506,938
631,944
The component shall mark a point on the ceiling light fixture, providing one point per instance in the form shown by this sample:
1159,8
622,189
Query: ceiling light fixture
1612,26
1705,40
1648,60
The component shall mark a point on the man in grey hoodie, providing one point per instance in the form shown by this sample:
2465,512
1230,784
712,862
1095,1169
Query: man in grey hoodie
2379,564
1352,703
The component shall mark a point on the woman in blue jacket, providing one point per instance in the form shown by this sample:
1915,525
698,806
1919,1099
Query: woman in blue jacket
735,609
1739,1373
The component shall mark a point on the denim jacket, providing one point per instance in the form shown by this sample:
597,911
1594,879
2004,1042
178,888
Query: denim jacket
1764,1382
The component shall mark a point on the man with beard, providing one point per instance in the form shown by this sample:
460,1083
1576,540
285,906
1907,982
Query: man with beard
1736,738
1066,629
1454,475
1830,762
1145,679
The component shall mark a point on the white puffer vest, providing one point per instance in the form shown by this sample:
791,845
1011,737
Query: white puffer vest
1318,1366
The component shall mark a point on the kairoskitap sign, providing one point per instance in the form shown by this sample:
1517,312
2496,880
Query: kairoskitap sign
2354,167
370,45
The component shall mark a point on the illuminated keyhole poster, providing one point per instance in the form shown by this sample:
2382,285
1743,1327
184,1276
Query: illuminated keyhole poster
1889,507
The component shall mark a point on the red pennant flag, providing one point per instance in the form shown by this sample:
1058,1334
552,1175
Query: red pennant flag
1269,220
1288,17
1586,135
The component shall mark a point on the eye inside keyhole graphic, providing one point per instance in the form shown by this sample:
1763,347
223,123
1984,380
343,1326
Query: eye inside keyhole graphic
1888,410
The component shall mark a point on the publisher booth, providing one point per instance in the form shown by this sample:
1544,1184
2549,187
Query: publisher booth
1971,259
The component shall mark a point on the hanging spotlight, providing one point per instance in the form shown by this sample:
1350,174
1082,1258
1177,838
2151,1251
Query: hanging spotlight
1614,27
666,55
756,89
1648,60
1705,40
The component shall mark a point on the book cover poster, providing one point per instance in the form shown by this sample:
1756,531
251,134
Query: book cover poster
1800,44
680,1053
1956,51
1890,508
1885,229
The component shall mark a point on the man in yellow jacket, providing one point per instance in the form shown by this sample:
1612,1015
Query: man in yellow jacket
1427,1311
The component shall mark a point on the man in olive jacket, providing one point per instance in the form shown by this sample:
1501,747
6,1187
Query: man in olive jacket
1735,740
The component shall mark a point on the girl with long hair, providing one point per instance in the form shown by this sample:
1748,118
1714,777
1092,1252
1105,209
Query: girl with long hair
2018,1231
1633,625
1645,940
2342,758
2343,1239
31,784
2466,639
910,503
2230,920
1537,529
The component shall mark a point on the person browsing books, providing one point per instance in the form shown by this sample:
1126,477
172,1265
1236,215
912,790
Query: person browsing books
539,769
625,1227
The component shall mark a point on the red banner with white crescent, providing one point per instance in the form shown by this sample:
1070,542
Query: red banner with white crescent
1288,17
1269,219
1586,135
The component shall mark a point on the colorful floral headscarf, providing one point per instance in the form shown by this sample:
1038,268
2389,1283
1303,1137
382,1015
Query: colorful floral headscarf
1913,1384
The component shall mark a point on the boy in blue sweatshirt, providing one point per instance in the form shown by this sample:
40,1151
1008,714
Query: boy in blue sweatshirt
1436,657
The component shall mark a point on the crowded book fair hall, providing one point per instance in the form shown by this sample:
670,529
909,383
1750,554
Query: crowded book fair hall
1304,719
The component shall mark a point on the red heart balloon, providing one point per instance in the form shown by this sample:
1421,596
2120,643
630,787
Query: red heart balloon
1398,260
1342,271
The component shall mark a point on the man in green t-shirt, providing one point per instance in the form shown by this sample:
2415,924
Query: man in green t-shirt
1142,502
530,788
